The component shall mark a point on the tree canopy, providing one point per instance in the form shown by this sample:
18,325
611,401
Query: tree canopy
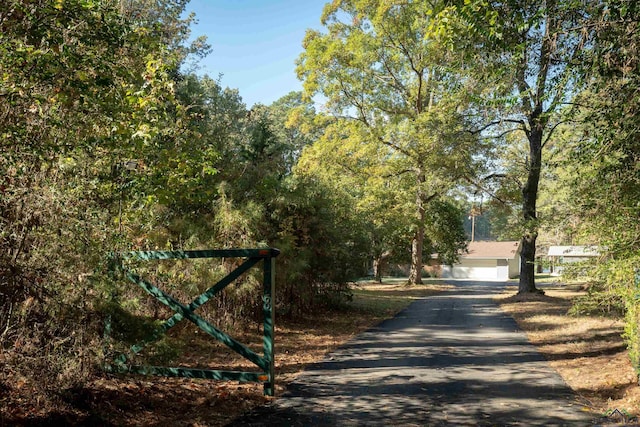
394,90
527,57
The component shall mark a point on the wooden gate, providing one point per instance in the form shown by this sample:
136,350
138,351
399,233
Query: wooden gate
183,311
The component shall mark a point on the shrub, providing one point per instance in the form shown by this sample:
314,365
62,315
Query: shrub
616,291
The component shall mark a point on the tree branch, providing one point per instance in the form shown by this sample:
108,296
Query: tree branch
497,122
482,188
567,74
397,174
552,130
494,175
398,83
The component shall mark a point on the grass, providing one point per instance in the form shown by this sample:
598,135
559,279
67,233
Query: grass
384,300
587,351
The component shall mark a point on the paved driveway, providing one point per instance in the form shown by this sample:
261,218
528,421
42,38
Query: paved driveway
452,359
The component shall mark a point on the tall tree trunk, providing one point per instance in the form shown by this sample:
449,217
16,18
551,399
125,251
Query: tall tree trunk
529,196
380,264
377,268
415,275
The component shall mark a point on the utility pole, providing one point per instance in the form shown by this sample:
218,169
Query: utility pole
473,226
472,216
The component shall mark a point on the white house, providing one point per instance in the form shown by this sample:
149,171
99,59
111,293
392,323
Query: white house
559,255
490,261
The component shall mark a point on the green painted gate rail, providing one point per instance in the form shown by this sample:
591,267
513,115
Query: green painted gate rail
182,311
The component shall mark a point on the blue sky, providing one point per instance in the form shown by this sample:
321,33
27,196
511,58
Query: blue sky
255,43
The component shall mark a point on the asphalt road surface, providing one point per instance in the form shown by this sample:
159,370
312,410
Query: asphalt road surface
449,360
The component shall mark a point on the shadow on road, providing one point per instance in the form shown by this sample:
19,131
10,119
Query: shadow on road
451,359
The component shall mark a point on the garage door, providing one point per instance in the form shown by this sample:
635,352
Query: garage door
478,269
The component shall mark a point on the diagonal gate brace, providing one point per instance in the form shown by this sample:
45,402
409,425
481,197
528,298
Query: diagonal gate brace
253,257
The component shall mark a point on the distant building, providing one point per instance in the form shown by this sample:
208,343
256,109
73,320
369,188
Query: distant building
490,261
561,255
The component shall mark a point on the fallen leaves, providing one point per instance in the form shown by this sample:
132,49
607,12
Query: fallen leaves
587,352
156,401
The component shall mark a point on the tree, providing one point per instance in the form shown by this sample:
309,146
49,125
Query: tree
526,56
606,177
82,86
381,202
609,150
293,119
388,77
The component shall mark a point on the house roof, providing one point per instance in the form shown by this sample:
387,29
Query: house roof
492,250
581,251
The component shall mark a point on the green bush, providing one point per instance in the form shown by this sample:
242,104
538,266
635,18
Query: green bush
600,300
615,291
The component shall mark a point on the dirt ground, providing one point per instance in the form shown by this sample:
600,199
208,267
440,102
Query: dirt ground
587,352
111,400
